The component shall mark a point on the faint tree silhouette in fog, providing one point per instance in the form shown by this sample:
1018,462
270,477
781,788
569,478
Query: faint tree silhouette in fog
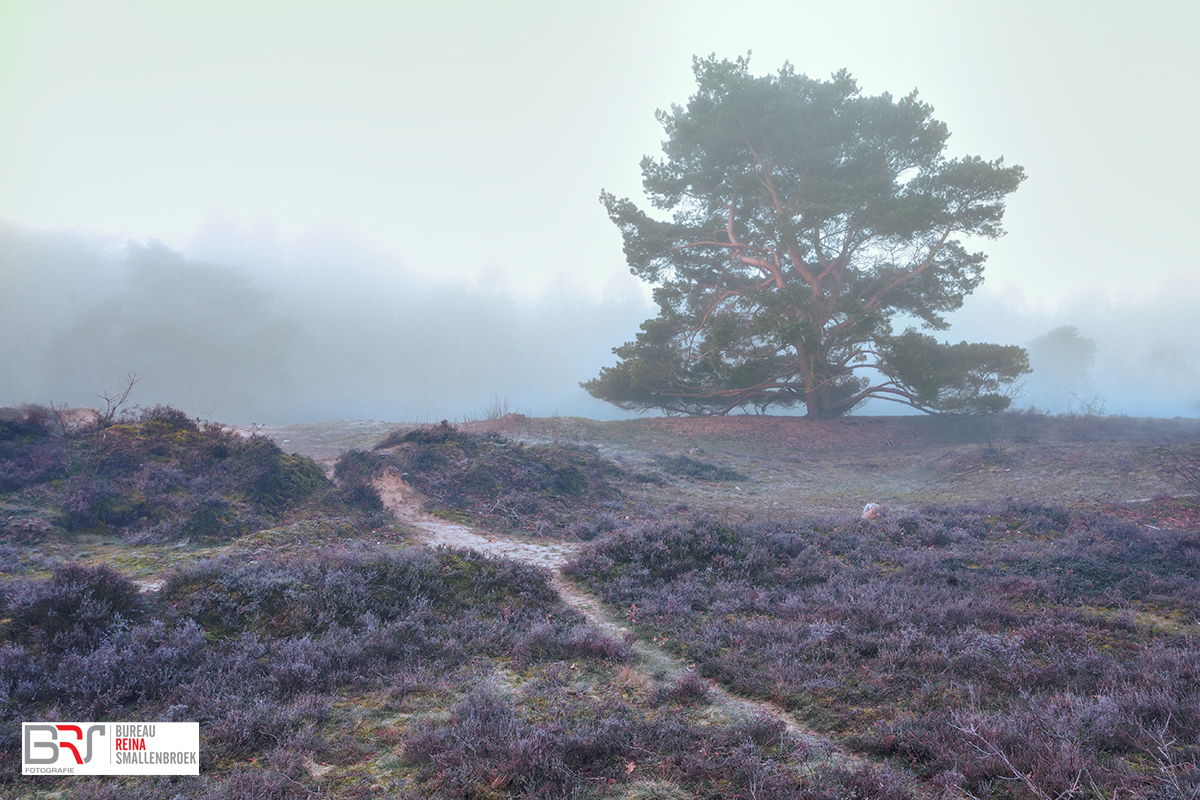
199,335
1062,361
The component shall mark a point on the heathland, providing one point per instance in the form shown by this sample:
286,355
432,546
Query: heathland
666,607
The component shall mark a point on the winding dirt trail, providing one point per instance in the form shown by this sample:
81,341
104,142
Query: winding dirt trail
405,502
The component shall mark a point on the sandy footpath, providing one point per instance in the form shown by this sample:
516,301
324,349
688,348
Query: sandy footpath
405,502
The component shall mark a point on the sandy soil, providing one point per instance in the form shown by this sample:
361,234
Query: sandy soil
405,502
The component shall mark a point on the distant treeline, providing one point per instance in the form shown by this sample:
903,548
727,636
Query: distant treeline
320,337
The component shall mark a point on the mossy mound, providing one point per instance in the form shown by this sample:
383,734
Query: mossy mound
154,475
501,483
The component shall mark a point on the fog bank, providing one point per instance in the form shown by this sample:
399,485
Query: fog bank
1114,352
245,329
320,331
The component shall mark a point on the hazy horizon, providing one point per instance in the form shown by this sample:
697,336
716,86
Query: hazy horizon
390,210
289,339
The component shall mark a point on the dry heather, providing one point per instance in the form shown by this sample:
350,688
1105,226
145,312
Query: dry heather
963,644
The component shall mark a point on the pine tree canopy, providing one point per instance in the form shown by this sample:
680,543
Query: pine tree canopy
797,221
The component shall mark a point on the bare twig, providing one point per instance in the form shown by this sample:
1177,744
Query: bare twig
113,404
985,746
1164,753
1187,467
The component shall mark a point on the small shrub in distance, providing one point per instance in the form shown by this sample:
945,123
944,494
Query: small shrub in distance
354,472
688,467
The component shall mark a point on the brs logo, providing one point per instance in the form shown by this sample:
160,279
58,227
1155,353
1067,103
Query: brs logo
45,738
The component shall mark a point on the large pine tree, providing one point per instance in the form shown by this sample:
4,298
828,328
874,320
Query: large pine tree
805,218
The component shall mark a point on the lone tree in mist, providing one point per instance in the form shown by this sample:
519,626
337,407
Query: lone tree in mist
805,218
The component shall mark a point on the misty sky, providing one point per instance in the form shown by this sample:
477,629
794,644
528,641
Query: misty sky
430,144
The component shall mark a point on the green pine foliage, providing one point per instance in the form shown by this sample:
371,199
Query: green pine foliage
804,218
